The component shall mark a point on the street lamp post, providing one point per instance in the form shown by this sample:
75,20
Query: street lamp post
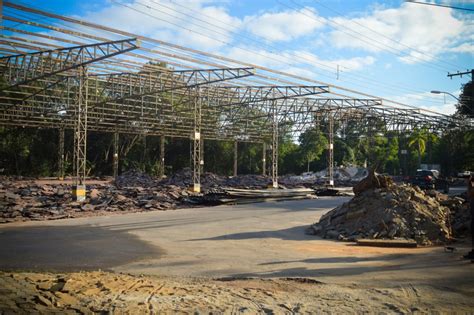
441,92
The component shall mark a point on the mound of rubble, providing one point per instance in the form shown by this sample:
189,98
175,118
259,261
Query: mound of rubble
132,191
134,178
211,182
27,200
460,218
381,209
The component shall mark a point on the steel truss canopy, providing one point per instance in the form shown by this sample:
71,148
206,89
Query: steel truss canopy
142,85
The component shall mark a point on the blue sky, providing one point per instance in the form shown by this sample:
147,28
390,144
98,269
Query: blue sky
391,49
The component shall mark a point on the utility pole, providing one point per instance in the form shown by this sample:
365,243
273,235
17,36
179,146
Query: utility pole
467,72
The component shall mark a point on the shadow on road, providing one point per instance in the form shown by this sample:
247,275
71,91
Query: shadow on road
51,248
296,233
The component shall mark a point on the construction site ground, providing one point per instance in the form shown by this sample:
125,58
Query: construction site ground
233,258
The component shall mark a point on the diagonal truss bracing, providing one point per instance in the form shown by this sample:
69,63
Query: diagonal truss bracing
24,68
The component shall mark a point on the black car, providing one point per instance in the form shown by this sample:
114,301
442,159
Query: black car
430,179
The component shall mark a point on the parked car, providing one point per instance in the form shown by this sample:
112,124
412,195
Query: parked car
430,179
464,174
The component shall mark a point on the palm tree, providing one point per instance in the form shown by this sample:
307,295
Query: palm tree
418,139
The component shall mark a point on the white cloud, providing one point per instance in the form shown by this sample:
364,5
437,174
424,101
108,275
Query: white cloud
170,21
440,103
345,65
297,59
464,48
284,26
425,28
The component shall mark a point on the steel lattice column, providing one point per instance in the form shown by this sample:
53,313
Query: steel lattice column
274,146
201,162
331,152
116,154
61,154
80,136
196,143
236,157
162,156
264,158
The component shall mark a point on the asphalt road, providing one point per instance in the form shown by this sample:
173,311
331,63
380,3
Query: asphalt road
253,240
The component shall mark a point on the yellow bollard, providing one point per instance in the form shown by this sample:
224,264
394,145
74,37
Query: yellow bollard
79,192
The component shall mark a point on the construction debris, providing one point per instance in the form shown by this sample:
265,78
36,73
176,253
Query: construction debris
30,201
384,210
460,216
132,191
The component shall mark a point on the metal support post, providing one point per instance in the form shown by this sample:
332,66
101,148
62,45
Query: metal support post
80,136
201,162
236,157
143,159
371,146
274,146
264,158
196,141
116,154
331,152
162,156
61,154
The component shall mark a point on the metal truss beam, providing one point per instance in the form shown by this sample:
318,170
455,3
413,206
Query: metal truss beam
242,95
25,68
125,86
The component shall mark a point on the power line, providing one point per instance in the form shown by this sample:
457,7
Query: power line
309,61
256,53
440,5
370,41
385,36
274,72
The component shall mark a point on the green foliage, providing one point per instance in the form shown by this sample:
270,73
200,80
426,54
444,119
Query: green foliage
455,151
34,152
466,103
312,145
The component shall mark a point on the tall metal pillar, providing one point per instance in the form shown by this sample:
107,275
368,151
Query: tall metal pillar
196,143
80,136
144,150
264,158
116,154
371,145
274,146
162,156
331,152
201,162
61,154
236,157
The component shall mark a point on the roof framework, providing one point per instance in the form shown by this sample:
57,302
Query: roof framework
63,72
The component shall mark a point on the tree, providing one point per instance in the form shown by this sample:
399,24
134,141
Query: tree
466,103
418,140
312,145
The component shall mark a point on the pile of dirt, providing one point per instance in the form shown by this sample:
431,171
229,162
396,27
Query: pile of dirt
460,216
384,210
